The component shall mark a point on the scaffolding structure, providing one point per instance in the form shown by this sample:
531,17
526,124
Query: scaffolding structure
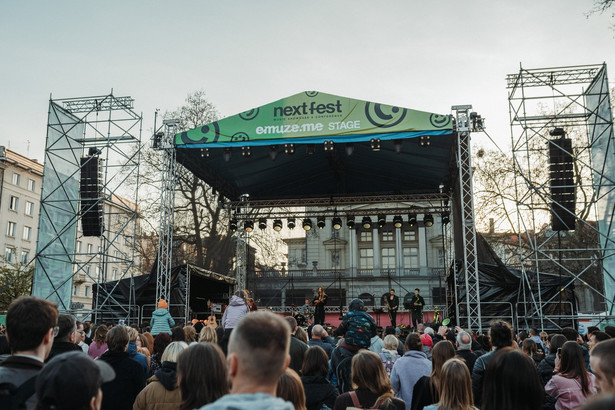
576,100
80,130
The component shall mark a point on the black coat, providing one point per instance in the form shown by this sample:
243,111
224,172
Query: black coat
318,391
296,351
121,392
469,358
62,347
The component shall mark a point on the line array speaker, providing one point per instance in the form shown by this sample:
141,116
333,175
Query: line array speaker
561,176
90,194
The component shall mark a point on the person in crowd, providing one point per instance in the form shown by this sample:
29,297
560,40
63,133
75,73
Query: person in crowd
147,340
161,319
573,335
290,389
571,384
161,341
530,348
233,313
485,346
307,310
199,387
521,337
603,365
208,334
427,343
121,393
392,304
5,350
547,366
319,302
416,304
190,335
31,325
140,358
258,355
317,334
595,338
390,330
162,392
99,342
409,368
297,347
535,336
80,337
389,354
426,389
72,381
511,382
464,352
251,305
318,390
610,330
65,340
455,387
501,335
301,334
372,387
376,343
177,334
88,330
144,347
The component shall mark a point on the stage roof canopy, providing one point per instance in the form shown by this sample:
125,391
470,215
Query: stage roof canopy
317,145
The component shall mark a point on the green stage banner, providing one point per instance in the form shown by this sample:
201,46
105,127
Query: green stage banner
313,114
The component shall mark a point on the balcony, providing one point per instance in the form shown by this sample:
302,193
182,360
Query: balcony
331,274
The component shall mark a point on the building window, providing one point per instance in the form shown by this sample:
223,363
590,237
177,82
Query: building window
16,179
87,270
25,256
78,247
366,236
411,257
388,258
29,208
31,185
441,260
11,228
27,233
90,247
9,254
86,291
75,290
387,236
14,203
335,259
409,235
114,273
366,258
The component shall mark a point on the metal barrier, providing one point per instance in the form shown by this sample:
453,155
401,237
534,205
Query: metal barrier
485,317
527,318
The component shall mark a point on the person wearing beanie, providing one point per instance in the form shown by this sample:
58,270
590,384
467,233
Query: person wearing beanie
161,319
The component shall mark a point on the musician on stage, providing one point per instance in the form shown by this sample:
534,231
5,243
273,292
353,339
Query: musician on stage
416,304
319,302
392,304
307,310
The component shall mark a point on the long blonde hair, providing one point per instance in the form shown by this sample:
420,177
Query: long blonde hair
368,373
455,386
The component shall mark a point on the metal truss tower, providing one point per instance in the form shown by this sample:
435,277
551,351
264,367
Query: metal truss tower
576,100
104,129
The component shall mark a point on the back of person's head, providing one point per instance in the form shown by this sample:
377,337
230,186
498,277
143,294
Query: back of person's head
161,341
484,342
592,329
572,364
208,334
28,320
315,362
391,342
533,331
529,347
356,305
301,334
455,386
292,322
133,334
318,331
261,341
522,335
290,389
171,353
240,294
197,386
600,336
177,334
442,351
117,339
570,333
511,382
464,340
413,342
100,334
368,373
67,326
557,341
500,333
72,381
189,334
610,330
602,361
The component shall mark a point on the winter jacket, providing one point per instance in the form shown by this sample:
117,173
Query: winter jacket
357,326
249,401
318,391
545,369
138,357
94,351
327,347
567,392
17,370
59,348
296,351
376,344
407,370
162,392
477,376
121,392
161,322
468,357
235,310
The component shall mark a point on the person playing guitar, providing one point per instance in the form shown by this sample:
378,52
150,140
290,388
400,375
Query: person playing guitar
319,302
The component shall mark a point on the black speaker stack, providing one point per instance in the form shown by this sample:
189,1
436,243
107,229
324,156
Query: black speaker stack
91,194
561,176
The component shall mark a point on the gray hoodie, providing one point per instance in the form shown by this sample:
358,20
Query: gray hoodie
249,401
235,310
407,370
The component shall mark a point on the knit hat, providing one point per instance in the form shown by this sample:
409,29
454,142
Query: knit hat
162,304
426,340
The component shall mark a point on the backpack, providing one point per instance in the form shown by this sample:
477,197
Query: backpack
343,371
13,397
388,360
357,404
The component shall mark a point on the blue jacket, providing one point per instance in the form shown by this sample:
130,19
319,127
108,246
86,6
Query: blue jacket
357,325
406,371
161,322
138,357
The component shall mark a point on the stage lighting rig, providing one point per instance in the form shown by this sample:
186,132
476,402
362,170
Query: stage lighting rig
428,220
248,226
337,223
412,220
307,224
398,222
321,222
262,224
367,222
350,222
277,225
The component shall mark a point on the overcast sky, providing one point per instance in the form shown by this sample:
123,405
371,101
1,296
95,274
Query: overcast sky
421,55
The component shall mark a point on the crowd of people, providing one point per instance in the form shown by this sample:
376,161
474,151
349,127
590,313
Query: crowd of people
260,360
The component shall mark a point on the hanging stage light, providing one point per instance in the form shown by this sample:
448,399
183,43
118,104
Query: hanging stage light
446,218
428,220
367,222
277,225
291,223
233,225
412,220
382,220
398,221
337,223
289,149
262,224
307,224
248,226
350,222
273,152
321,222
246,152
227,154
375,144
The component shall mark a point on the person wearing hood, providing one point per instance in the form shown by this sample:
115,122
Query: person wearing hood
409,368
161,319
233,313
162,391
